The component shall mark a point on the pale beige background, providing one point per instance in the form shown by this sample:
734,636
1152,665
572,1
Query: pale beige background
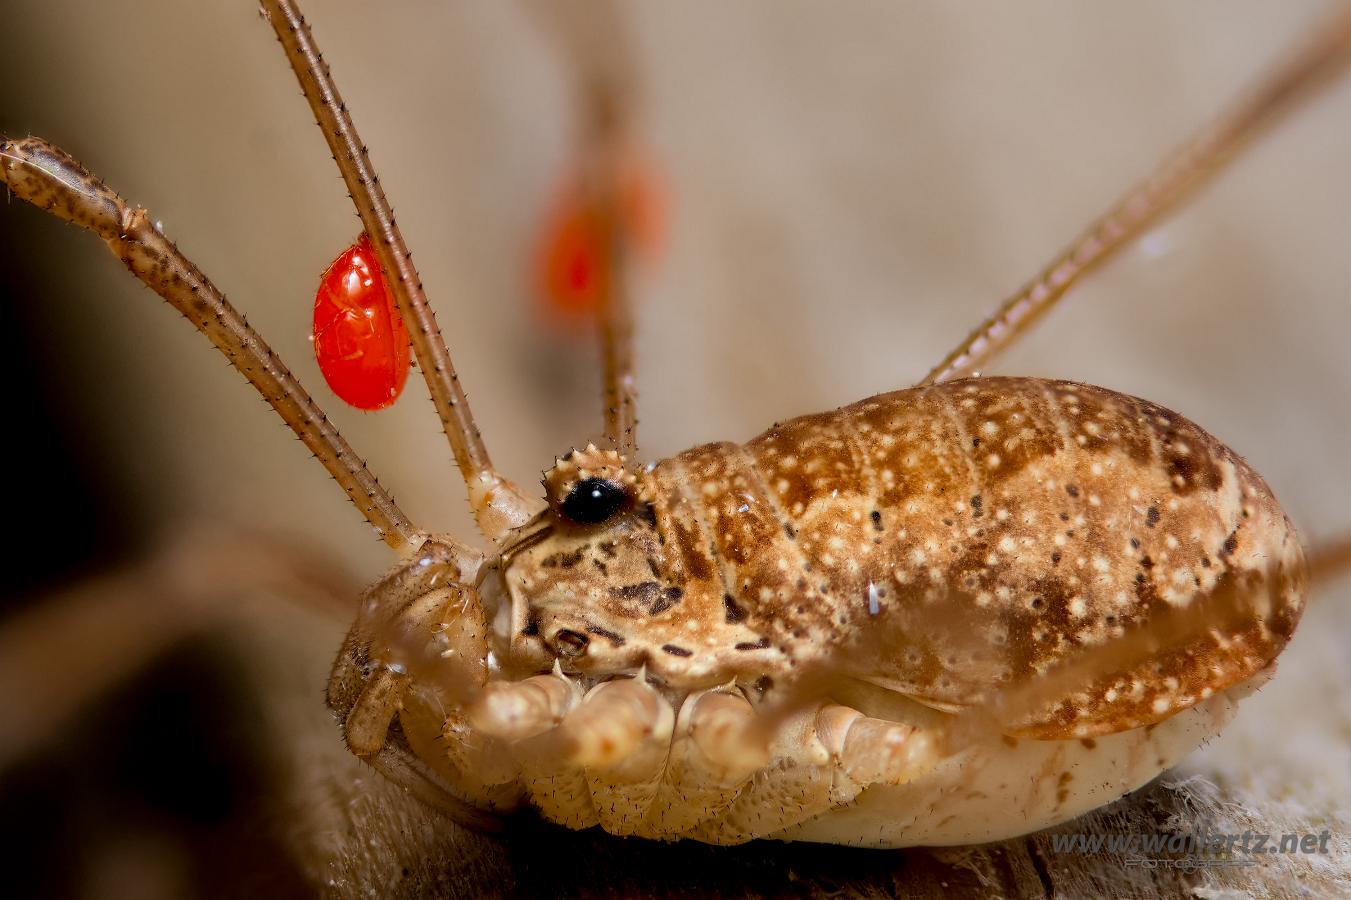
855,186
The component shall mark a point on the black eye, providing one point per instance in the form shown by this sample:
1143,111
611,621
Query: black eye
593,501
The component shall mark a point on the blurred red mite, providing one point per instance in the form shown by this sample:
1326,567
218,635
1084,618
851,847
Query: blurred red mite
571,273
359,337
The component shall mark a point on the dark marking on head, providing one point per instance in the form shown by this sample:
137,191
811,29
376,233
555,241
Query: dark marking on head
669,598
1230,544
676,651
876,516
1071,490
649,596
564,560
606,633
976,504
762,644
686,542
735,611
1135,543
1055,558
1152,516
644,592
531,623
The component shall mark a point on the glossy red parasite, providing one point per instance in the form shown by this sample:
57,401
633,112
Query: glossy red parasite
359,337
571,272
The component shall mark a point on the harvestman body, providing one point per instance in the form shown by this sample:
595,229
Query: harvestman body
944,615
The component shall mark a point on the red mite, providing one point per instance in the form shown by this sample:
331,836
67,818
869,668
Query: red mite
359,337
570,272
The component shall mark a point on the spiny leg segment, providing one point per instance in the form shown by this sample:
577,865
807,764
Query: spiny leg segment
596,50
1312,67
498,504
605,91
51,179
614,317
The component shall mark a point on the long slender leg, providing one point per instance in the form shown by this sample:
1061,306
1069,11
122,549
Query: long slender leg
63,654
615,327
498,504
51,179
595,44
1312,67
605,106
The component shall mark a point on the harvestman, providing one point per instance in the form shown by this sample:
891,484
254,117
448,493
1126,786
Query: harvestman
697,746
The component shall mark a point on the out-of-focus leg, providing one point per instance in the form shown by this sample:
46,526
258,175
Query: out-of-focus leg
868,751
716,750
797,785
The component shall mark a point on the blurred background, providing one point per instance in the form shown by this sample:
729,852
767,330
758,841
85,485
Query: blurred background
853,187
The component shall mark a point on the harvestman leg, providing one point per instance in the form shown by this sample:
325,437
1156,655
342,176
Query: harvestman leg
605,97
1285,89
595,44
104,630
51,179
1304,73
498,504
1309,69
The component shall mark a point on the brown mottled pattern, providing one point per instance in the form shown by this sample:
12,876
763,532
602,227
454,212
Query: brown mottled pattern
751,548
985,533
